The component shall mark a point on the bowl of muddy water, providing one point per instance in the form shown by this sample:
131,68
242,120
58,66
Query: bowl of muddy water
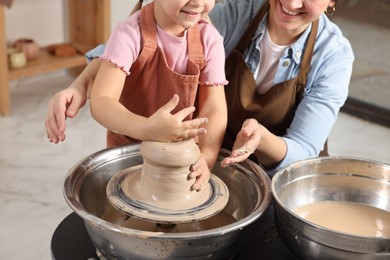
334,208
117,237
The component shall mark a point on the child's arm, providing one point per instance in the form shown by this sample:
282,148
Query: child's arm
212,104
161,126
104,99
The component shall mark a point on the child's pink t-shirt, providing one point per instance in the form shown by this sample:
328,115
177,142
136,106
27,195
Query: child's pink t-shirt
124,46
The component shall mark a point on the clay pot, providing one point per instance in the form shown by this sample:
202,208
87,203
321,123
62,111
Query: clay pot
160,191
28,46
170,162
16,58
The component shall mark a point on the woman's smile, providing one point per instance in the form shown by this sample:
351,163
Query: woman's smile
288,12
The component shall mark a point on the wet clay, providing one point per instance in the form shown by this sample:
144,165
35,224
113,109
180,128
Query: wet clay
348,217
164,180
160,191
217,221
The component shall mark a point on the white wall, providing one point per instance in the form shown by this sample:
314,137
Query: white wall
45,20
120,9
42,20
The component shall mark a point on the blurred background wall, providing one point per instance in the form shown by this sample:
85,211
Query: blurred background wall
45,21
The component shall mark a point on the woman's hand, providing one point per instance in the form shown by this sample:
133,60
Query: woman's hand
63,104
167,127
69,101
247,141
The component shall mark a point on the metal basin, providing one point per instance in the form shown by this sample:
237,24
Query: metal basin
85,192
330,179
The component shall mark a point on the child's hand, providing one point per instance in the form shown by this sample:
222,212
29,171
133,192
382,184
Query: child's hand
200,170
166,127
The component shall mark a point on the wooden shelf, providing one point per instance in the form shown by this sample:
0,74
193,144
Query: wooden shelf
89,25
46,63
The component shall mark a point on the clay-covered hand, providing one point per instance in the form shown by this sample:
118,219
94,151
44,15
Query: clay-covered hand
63,104
200,172
167,127
246,143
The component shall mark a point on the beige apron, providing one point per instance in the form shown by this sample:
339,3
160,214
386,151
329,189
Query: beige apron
274,109
152,83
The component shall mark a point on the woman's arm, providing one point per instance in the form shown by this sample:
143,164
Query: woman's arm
68,102
253,137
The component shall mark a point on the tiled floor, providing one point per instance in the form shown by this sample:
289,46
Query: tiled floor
33,170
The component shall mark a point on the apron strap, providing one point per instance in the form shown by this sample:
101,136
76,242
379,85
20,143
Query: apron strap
306,60
250,32
149,33
149,36
195,47
308,54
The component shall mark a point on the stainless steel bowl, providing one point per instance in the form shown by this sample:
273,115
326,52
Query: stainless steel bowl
335,179
85,192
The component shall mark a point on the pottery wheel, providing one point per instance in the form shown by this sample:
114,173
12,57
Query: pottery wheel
214,197
159,190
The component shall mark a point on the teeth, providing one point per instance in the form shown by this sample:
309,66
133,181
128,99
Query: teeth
191,13
288,11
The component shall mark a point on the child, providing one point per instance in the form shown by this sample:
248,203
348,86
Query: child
156,64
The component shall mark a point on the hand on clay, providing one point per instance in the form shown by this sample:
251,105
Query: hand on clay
63,104
201,172
167,127
246,143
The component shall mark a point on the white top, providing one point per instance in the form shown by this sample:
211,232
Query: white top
268,63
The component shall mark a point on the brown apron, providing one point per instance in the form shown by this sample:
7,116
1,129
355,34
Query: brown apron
274,109
151,83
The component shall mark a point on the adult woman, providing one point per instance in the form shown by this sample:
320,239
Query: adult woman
291,79
299,83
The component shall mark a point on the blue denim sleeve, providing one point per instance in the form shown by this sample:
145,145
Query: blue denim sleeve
325,94
95,53
232,18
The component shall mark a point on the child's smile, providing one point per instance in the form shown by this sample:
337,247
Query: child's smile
175,16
